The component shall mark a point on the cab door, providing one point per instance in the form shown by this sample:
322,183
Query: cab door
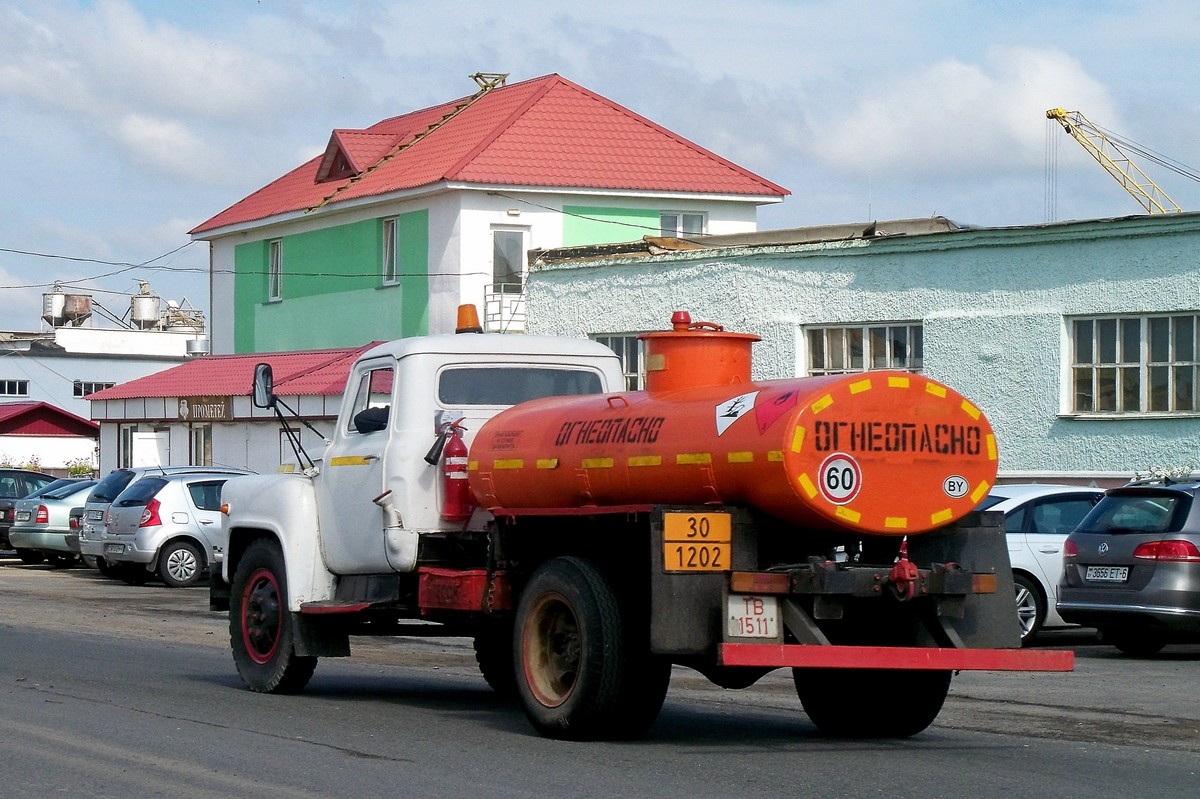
352,525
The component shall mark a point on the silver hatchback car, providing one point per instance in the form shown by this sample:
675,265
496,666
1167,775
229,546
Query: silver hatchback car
167,525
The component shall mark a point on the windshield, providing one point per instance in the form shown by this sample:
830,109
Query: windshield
510,385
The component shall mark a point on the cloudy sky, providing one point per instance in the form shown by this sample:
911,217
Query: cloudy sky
125,123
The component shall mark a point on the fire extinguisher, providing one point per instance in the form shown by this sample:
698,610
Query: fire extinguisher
456,491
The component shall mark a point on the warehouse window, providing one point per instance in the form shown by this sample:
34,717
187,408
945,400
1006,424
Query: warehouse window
84,387
674,223
862,348
14,388
632,352
1135,364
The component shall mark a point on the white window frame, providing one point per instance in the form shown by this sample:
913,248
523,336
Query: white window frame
82,388
14,388
853,348
275,270
1134,364
674,224
632,352
390,266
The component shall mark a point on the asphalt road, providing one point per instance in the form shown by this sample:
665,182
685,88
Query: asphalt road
113,690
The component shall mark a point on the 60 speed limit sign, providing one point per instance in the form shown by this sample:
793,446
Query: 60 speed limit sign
839,478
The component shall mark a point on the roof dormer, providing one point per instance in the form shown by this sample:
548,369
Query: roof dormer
351,152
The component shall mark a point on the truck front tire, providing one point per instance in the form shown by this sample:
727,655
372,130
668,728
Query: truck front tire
261,628
583,670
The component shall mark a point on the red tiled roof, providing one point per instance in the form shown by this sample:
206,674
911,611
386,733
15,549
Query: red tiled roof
546,132
42,419
312,372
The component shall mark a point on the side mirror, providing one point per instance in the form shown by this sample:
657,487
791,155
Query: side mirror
264,386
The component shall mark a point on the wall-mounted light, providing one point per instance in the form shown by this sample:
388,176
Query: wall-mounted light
514,212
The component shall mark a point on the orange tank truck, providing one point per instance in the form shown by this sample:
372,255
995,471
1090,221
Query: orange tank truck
882,452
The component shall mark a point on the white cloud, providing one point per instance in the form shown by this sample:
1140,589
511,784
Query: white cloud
956,118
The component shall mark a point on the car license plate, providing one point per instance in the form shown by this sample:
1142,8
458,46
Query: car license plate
114,549
752,616
696,542
95,515
22,515
1107,574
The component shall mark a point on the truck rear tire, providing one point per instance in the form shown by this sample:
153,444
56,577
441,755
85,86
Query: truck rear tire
494,654
261,628
583,671
871,703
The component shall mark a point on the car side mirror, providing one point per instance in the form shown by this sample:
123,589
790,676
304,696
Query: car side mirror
264,386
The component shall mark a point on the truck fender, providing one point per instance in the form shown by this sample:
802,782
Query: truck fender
282,507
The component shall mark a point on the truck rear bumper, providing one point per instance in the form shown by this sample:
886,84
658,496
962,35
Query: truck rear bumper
894,657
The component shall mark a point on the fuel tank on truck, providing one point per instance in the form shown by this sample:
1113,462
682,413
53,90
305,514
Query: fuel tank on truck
881,452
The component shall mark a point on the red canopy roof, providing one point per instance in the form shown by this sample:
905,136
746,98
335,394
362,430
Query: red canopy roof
43,419
545,132
310,372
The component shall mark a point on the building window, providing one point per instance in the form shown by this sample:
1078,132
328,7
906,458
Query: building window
14,388
632,352
862,348
674,224
125,444
84,387
1135,364
508,260
275,271
202,441
391,246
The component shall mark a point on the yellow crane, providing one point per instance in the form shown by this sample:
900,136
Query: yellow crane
1109,155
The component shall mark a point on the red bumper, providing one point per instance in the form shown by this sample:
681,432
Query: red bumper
894,657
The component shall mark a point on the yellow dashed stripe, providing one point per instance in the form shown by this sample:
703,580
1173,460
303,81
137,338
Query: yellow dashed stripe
849,515
981,491
935,390
740,457
860,386
547,463
823,403
898,382
971,410
942,516
645,460
798,438
472,466
597,463
775,455
895,522
807,485
509,463
991,446
693,458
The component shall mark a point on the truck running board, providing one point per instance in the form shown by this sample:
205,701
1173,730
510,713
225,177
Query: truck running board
894,657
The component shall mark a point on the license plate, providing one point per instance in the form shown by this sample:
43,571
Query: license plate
752,617
114,549
95,515
1107,574
696,542
22,515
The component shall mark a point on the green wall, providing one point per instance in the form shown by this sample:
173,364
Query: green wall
332,287
596,225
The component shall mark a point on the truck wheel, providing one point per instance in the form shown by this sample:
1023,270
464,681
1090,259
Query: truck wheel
261,630
180,564
583,671
494,654
1031,607
871,703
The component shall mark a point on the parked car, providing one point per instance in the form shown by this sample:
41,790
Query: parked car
92,534
168,525
1132,567
1037,519
41,522
16,484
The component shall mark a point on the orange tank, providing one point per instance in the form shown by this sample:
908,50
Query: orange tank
882,452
